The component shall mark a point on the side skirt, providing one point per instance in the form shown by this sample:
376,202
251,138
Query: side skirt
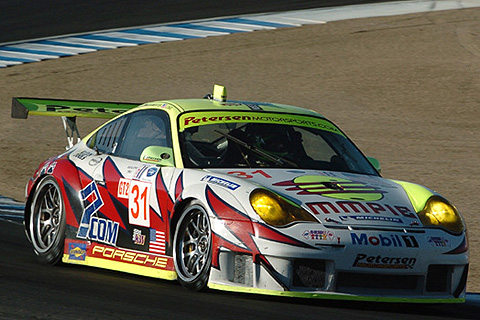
106,257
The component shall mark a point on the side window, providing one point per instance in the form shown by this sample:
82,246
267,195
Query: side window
146,128
107,138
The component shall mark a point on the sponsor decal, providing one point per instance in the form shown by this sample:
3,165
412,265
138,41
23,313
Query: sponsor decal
140,172
319,235
152,158
203,118
92,227
155,104
384,240
51,167
82,155
48,168
84,109
95,161
152,171
145,173
139,258
383,262
222,182
372,218
77,251
103,230
157,242
92,203
138,237
355,207
439,242
254,106
333,187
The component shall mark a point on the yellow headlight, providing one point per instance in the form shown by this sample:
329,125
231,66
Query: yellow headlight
439,213
275,210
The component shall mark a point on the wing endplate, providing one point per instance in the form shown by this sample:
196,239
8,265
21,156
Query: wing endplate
22,107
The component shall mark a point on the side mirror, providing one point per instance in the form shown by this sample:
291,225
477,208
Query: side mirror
375,163
162,156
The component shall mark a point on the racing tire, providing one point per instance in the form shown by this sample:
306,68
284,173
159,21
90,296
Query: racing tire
46,225
192,249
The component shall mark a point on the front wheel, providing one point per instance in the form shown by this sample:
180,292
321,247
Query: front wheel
193,247
46,225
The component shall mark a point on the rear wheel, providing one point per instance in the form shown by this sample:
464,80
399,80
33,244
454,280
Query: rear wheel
47,221
193,247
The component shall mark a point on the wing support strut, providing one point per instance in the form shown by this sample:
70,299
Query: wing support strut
71,130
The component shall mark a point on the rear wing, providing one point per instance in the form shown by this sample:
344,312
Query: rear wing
69,110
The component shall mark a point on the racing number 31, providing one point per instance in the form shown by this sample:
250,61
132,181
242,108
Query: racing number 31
138,203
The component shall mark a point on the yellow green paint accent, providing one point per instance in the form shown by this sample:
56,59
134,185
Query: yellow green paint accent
123,267
417,194
68,108
331,296
316,184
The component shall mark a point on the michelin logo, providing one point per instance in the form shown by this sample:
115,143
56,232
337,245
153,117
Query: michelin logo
224,183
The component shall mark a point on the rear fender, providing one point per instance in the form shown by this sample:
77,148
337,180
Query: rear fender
67,176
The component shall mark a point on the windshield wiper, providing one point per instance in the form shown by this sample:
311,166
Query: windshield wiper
278,160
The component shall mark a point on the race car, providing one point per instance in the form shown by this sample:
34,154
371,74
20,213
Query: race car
241,196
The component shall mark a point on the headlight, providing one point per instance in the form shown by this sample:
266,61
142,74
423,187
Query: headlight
275,210
439,213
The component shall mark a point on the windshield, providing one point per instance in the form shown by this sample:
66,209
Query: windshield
231,144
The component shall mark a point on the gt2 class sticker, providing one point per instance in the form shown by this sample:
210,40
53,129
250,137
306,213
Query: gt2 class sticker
139,203
123,188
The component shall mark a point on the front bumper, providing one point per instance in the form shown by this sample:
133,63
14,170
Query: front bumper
367,265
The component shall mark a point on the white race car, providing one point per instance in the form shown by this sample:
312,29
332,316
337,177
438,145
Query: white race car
241,196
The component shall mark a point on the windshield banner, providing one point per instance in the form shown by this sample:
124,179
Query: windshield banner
193,119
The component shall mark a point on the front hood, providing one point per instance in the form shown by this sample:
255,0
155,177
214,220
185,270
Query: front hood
337,197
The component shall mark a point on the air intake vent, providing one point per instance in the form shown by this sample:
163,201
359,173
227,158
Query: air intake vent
309,273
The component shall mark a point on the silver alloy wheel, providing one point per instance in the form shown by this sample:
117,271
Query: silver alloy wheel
47,221
193,243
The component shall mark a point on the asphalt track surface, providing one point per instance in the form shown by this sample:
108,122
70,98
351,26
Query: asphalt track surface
29,290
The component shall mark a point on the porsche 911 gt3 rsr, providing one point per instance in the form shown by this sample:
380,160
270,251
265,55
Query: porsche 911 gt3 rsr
242,196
